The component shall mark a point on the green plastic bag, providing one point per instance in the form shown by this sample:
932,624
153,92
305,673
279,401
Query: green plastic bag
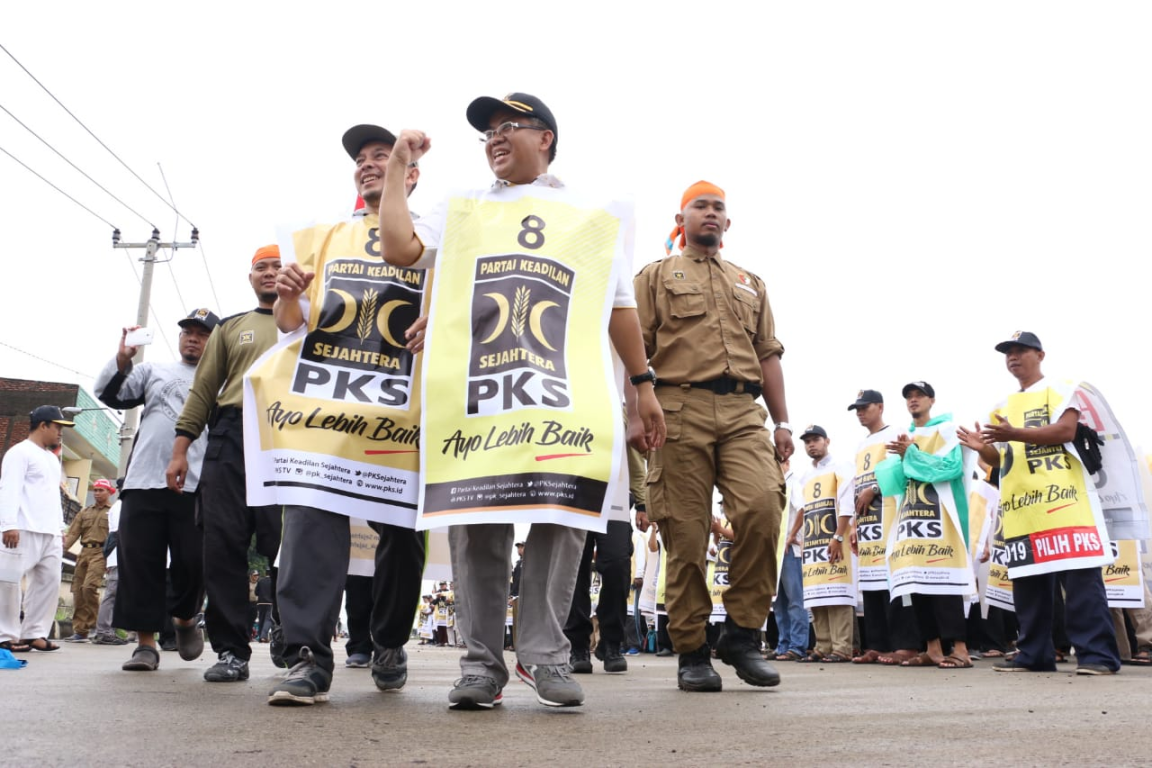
890,476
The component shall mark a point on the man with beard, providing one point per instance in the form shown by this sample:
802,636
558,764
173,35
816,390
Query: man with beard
215,401
933,513
154,520
709,332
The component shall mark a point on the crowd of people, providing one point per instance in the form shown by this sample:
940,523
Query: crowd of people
867,561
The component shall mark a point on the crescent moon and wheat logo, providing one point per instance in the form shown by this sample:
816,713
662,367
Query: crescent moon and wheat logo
520,315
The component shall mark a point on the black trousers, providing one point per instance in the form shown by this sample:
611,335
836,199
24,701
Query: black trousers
314,571
889,625
941,617
229,524
400,557
154,522
1088,622
613,550
358,606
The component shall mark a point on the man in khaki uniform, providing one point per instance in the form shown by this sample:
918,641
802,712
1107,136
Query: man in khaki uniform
710,337
90,527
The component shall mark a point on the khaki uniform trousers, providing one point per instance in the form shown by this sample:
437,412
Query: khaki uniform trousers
715,441
86,580
833,627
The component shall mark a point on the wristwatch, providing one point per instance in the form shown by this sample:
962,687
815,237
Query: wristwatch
784,425
838,537
648,375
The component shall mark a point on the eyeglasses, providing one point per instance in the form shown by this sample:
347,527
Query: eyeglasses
506,128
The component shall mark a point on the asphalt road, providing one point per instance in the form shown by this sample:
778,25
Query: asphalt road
75,707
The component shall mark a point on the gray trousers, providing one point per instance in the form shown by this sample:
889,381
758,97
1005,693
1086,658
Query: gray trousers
313,569
482,567
104,626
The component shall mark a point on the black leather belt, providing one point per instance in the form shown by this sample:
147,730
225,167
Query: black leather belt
722,386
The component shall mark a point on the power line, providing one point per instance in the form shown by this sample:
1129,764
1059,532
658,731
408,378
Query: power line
110,224
76,167
46,360
211,284
94,136
172,251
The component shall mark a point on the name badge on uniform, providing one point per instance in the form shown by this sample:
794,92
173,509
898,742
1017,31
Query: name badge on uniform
742,283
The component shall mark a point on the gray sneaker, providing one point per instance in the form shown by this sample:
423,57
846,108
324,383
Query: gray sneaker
553,684
475,692
228,669
306,683
390,669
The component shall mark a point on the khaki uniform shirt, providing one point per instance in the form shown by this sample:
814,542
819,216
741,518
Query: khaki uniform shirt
704,318
90,526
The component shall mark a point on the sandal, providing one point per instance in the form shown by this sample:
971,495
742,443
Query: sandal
868,657
835,658
42,644
955,662
17,647
994,654
919,660
1141,659
812,658
789,656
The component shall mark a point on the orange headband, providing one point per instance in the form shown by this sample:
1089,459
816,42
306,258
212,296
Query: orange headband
697,189
267,252
690,194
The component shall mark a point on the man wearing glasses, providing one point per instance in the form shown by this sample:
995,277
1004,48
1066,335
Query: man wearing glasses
520,134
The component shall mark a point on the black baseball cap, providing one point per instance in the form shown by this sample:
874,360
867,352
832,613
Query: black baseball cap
1023,339
480,111
50,413
205,318
866,397
358,135
923,386
813,430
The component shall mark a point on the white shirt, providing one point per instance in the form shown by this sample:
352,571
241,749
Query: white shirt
430,227
113,527
30,490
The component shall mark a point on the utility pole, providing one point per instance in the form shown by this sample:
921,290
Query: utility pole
132,417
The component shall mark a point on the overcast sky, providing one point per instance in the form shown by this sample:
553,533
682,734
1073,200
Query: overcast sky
914,181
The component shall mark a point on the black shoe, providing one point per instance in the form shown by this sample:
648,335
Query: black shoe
580,662
168,644
612,656
228,669
696,673
390,670
307,683
189,641
739,647
276,646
